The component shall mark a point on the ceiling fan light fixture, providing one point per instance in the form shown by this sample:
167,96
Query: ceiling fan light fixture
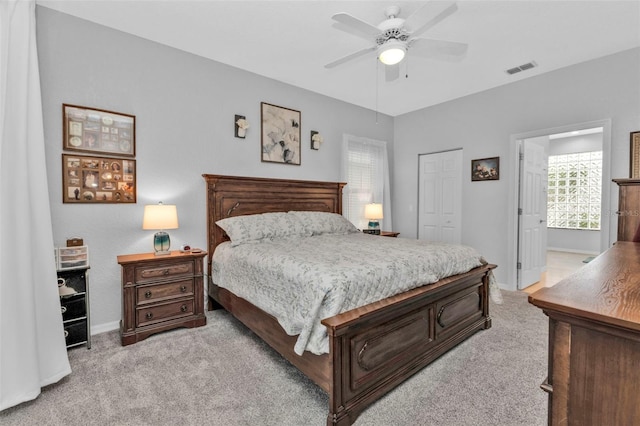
392,52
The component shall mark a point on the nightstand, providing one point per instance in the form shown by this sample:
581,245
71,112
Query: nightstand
381,233
160,293
389,234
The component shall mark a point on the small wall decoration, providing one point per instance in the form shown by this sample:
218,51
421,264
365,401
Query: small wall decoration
241,125
634,172
98,131
485,169
98,179
316,140
280,134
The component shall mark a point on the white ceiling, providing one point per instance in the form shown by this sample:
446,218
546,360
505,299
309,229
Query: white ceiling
291,41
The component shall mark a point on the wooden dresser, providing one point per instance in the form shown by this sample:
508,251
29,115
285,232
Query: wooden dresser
628,209
594,341
160,293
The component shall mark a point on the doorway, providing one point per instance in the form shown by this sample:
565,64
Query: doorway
514,234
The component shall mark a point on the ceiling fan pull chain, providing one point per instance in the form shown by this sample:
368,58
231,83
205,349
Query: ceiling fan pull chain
406,68
377,85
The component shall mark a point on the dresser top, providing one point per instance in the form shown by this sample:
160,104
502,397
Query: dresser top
151,257
606,290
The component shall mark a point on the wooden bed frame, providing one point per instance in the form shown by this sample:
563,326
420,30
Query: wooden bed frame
372,349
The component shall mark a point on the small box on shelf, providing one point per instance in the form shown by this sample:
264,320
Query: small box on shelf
75,242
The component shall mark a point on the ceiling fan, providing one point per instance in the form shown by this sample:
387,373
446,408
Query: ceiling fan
395,36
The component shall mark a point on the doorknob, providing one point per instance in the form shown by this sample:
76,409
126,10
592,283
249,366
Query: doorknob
542,221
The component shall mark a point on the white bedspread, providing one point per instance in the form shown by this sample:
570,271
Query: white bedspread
302,280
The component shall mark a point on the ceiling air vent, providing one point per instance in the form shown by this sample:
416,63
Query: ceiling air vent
520,68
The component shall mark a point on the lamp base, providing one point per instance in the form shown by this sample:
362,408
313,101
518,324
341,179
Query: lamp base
374,227
161,243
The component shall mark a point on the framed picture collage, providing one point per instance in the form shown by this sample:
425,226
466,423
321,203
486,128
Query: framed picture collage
108,174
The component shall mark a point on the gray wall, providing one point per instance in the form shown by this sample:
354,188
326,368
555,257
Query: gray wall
483,123
184,107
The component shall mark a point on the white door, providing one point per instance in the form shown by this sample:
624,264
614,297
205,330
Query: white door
440,197
532,212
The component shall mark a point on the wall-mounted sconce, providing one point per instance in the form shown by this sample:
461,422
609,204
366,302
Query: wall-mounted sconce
316,140
241,125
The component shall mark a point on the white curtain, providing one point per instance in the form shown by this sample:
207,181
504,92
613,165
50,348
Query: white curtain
365,168
32,345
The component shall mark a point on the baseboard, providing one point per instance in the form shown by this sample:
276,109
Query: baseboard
593,253
103,328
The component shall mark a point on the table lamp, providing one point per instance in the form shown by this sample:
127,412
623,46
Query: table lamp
160,217
373,212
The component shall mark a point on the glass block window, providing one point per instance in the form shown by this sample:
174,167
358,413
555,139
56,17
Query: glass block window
574,190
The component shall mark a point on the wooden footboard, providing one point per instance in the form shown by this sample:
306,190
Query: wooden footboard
375,348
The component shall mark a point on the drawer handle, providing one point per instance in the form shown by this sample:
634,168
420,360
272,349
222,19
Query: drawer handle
439,317
183,288
66,334
183,308
63,309
147,294
165,272
149,315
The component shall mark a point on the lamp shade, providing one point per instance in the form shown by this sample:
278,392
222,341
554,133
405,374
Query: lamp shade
373,211
160,216
392,52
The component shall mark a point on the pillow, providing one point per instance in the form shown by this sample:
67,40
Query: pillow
318,223
259,227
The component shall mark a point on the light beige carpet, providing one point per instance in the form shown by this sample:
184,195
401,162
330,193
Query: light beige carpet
221,374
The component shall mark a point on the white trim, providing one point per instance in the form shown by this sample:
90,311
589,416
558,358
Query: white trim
513,168
103,328
566,250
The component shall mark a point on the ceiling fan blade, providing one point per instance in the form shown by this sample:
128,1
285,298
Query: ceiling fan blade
353,31
391,72
428,15
437,48
364,29
350,57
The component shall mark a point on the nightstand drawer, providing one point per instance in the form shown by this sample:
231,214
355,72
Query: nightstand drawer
158,292
75,332
170,270
73,307
163,312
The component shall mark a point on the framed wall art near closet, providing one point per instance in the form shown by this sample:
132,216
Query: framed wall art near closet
485,169
280,134
88,179
98,131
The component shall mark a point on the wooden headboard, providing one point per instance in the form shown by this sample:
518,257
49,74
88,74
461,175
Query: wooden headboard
235,196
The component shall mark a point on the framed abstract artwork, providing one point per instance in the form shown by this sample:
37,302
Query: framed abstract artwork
280,129
98,131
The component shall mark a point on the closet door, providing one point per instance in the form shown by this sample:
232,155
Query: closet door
440,197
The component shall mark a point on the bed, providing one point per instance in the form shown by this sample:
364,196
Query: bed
371,348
